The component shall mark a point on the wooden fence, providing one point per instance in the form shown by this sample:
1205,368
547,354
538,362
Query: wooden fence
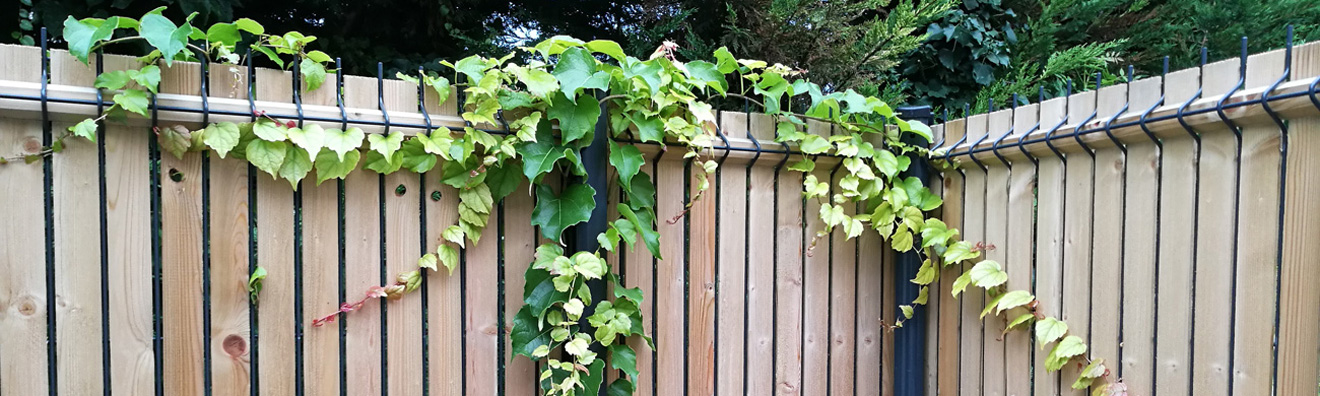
123,271
1182,248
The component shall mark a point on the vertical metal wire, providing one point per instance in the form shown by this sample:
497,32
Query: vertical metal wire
206,241
1237,199
1283,200
384,267
300,383
1196,209
104,234
747,240
1159,215
153,154
48,204
340,224
719,194
1122,250
421,205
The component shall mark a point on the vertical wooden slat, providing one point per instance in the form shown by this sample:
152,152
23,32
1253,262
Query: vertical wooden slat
1049,241
759,224
1108,253
1215,245
321,266
670,318
1139,250
230,357
402,238
997,191
1177,254
1258,255
275,308
1020,253
816,285
1299,321
519,248
444,292
973,231
950,307
870,278
842,303
889,311
77,199
640,267
789,283
701,287
932,370
181,253
444,315
734,293
479,320
1079,204
362,259
22,252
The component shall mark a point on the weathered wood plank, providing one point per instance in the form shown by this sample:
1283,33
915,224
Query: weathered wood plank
1299,321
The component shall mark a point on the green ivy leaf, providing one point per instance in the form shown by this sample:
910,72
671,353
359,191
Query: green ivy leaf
959,252
1014,299
538,82
342,142
415,157
576,120
112,80
641,192
148,77
254,283
175,140
554,213
539,158
221,137
382,164
1019,321
453,234
607,47
85,129
575,66
708,74
428,261
1049,329
961,283
724,61
135,101
594,378
313,73
267,156
274,132
627,160
622,357
162,34
644,224
386,145
503,179
649,129
329,166
988,274
310,137
82,35
448,257
1069,347
528,334
296,166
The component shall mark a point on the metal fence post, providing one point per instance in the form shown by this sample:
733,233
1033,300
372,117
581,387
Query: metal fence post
595,158
910,341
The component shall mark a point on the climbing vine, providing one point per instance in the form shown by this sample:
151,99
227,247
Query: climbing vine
546,112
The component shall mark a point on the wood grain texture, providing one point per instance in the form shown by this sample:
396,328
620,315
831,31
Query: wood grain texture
1252,359
362,270
1109,234
789,244
760,247
482,312
1299,321
1079,220
701,288
843,305
519,247
816,288
640,267
444,295
278,365
22,260
1049,243
973,231
671,320
732,295
77,245
870,277
949,312
1215,245
996,198
181,273
1019,255
402,248
230,326
321,286
1177,253
1140,245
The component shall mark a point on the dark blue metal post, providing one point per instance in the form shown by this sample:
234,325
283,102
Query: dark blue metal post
910,341
595,158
